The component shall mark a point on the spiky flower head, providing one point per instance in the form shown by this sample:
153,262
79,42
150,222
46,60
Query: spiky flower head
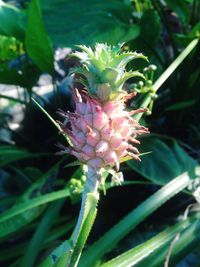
105,69
101,131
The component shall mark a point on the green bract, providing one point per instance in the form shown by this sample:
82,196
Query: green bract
105,69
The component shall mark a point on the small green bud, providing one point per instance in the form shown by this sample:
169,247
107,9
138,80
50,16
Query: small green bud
134,85
141,84
152,67
148,112
73,181
83,178
154,96
149,82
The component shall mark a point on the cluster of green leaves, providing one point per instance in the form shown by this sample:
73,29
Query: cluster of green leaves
39,197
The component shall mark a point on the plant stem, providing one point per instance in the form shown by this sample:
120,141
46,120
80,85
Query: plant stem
86,217
91,186
174,65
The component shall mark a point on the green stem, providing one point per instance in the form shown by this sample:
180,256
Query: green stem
91,186
86,217
175,64
147,98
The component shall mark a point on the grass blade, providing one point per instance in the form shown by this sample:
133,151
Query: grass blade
39,236
128,223
32,203
135,255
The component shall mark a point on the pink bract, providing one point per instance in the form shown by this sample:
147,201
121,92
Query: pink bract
102,134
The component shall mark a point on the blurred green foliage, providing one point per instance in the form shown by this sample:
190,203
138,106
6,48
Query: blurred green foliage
39,197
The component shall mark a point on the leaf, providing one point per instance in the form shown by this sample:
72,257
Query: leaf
11,21
58,252
38,44
147,39
38,238
12,99
27,208
73,164
48,115
166,74
32,203
181,9
88,22
10,154
64,246
10,221
137,254
184,39
10,226
181,105
52,120
9,48
93,21
173,66
11,76
128,223
18,249
166,161
182,247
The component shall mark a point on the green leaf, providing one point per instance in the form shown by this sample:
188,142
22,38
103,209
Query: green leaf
9,48
73,164
11,76
65,246
10,220
147,39
10,154
184,244
88,22
51,119
38,238
166,74
37,42
48,115
28,207
184,39
32,203
172,67
19,249
58,252
128,223
181,105
137,254
166,161
11,21
12,99
12,224
181,8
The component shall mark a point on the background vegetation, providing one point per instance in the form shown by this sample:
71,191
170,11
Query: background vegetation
153,218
